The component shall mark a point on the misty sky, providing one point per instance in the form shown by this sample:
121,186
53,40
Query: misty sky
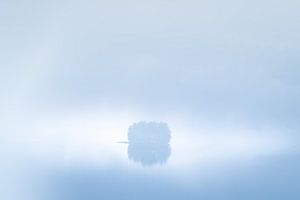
203,55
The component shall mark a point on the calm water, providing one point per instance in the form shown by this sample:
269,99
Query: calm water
117,156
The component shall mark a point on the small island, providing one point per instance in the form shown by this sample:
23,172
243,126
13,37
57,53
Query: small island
149,143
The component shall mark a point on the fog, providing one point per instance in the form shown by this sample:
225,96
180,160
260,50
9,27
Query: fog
222,75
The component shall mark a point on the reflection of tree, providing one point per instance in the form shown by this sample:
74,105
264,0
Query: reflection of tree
149,143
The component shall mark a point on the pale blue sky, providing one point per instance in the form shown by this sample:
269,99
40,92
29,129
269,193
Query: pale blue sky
167,52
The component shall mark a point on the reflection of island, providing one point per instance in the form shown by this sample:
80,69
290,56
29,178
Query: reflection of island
149,143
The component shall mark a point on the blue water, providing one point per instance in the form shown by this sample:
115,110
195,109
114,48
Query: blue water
149,164
271,178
